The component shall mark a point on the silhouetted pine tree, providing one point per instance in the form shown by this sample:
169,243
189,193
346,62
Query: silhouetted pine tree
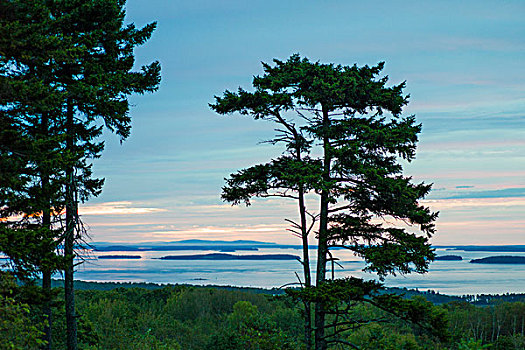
344,133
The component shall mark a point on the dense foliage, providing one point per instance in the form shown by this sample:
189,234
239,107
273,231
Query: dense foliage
19,328
124,316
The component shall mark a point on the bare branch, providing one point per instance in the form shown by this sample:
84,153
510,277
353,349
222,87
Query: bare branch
332,260
289,284
299,278
312,224
341,266
333,210
293,223
285,132
309,120
299,234
267,195
309,109
286,124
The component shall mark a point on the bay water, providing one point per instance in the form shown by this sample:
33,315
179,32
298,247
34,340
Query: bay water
446,277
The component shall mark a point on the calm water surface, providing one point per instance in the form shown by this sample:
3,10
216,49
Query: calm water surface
447,277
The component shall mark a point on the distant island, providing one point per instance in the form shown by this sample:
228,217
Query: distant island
504,259
119,257
222,256
486,248
449,257
249,245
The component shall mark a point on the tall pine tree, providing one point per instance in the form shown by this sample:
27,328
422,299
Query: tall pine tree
85,68
344,133
31,163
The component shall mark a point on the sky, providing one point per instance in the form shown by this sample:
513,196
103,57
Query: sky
463,62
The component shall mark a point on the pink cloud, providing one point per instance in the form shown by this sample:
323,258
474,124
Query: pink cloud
116,208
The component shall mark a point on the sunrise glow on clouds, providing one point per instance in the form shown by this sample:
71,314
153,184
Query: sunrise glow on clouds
115,208
463,63
462,221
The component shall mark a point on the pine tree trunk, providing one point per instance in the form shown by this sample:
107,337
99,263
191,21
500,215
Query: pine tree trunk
304,237
46,280
46,224
306,262
306,268
71,216
46,288
320,342
322,250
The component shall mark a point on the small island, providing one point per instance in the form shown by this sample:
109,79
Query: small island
449,258
119,257
222,256
504,259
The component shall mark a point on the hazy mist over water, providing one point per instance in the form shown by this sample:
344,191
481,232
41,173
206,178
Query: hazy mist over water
446,277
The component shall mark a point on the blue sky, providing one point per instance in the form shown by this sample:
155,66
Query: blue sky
464,66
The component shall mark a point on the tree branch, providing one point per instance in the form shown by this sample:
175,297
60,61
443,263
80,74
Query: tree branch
333,210
293,223
267,195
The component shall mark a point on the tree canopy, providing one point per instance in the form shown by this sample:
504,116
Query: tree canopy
344,135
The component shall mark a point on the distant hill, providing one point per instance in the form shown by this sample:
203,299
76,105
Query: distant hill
185,242
222,256
131,248
505,259
204,241
190,244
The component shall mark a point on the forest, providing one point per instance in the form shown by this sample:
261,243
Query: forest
149,316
